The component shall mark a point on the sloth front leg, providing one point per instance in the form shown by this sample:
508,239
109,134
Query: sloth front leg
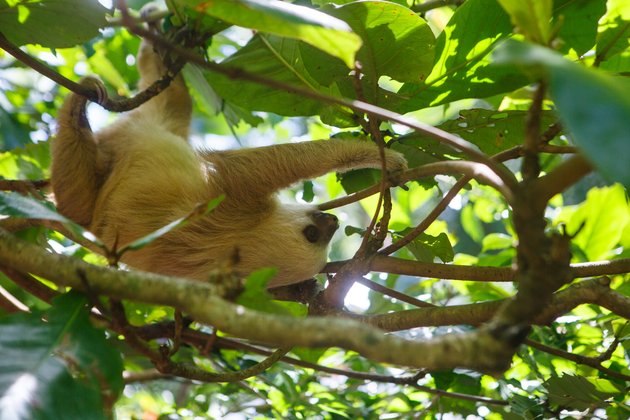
258,172
74,150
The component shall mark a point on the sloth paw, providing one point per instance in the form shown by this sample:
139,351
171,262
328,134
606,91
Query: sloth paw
100,93
396,166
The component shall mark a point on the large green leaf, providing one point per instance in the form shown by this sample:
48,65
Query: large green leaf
613,38
600,221
275,57
396,42
580,393
594,106
531,17
51,23
578,23
462,65
13,134
493,131
56,365
29,162
427,247
287,20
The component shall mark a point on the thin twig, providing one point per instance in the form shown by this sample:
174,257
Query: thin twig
430,218
593,362
377,287
114,105
30,284
10,303
198,339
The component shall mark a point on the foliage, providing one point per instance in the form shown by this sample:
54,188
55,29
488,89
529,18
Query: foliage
532,83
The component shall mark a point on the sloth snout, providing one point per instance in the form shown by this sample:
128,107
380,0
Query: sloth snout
326,223
326,220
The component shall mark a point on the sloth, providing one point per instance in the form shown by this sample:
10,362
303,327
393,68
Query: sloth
140,173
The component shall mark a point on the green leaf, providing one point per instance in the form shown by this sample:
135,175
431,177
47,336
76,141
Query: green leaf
385,43
594,106
613,37
576,392
578,20
29,162
14,134
531,17
427,247
471,224
51,23
396,42
308,193
494,241
493,131
358,179
277,58
56,364
600,221
15,205
255,296
198,212
462,65
287,20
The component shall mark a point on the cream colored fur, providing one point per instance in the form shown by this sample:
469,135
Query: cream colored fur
139,174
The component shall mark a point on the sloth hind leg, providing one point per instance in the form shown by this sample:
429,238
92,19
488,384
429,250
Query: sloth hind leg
74,151
173,105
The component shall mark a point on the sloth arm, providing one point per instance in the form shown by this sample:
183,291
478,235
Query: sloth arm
259,172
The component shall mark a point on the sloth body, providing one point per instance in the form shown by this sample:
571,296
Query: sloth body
139,174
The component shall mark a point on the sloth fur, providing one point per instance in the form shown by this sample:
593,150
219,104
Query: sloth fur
140,173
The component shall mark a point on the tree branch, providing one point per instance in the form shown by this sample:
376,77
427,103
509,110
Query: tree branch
594,291
119,105
479,350
394,265
563,176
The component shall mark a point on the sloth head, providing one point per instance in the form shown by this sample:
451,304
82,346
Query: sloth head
294,239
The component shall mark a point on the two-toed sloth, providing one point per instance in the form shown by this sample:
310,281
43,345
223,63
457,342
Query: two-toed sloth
140,173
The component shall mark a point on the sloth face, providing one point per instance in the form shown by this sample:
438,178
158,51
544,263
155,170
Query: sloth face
322,229
293,238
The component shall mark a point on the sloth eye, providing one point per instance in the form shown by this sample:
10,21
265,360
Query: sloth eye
311,233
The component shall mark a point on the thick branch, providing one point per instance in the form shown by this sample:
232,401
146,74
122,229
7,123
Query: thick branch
478,171
595,291
479,350
396,265
393,265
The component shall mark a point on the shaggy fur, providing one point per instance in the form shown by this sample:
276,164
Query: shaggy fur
139,174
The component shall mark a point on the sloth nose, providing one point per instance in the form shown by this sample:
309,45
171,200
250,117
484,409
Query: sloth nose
326,220
327,224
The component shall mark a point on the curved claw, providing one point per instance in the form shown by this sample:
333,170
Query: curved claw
98,87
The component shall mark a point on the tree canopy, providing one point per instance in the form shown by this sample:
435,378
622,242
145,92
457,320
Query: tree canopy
489,280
